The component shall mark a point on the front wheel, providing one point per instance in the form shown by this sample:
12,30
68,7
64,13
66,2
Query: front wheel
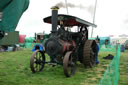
37,61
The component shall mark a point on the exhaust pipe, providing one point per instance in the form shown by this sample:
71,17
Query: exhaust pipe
54,19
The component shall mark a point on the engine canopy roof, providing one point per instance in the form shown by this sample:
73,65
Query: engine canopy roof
69,21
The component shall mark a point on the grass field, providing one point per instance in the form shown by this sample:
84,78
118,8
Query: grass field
15,70
123,68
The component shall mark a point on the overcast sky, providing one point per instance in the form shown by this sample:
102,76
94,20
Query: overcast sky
111,16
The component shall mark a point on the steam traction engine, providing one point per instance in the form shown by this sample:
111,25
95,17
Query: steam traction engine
64,46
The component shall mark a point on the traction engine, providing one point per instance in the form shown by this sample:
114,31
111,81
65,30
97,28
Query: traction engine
64,46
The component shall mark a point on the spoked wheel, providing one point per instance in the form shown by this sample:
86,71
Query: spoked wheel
89,53
68,64
37,61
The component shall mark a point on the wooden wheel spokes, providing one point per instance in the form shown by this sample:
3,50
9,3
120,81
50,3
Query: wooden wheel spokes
38,58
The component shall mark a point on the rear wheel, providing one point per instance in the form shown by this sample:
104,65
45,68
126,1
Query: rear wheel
37,61
89,53
68,64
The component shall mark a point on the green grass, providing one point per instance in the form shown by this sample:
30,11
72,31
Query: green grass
15,70
123,68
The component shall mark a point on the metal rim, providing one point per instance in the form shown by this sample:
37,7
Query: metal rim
37,61
68,65
89,53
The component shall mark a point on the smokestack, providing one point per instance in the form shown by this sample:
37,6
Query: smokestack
54,18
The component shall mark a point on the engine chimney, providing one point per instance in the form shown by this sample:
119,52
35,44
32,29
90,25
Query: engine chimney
54,18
